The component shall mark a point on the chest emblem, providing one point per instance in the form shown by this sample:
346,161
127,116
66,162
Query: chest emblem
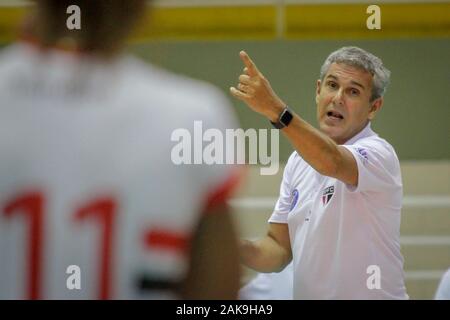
327,194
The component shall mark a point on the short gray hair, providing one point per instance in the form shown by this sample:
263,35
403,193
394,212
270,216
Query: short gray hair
359,58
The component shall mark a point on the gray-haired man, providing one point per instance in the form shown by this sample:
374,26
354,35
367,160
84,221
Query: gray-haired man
338,213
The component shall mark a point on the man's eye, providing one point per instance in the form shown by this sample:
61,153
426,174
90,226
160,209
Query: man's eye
354,92
332,84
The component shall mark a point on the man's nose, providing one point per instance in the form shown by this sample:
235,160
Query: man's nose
338,97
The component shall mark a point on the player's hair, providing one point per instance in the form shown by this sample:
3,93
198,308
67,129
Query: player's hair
357,57
105,24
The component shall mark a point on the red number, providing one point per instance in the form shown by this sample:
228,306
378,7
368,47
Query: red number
32,206
104,210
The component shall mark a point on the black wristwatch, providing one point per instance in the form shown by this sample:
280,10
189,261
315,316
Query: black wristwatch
284,119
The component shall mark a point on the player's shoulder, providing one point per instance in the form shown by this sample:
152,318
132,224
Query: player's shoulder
8,52
149,81
11,57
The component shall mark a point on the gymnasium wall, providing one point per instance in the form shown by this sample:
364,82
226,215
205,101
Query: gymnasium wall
289,41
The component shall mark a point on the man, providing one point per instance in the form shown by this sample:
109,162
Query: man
91,204
338,213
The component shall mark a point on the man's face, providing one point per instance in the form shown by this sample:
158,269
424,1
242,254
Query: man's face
343,102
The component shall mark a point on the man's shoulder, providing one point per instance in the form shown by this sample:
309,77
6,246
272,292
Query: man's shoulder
375,143
377,151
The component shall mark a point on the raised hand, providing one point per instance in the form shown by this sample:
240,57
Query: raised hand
255,90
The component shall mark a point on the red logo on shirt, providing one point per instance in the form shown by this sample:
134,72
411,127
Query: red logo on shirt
327,195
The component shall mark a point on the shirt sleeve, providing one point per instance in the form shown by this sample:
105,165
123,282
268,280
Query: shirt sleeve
283,204
443,291
378,166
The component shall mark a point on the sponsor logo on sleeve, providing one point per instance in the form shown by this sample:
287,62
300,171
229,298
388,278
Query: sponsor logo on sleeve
363,153
294,201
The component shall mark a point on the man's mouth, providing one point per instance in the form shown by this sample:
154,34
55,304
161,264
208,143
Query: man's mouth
335,115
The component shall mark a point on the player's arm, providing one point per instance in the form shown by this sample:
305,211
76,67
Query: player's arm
320,151
214,271
268,254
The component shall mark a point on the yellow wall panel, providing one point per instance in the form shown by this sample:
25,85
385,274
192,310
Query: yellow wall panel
314,21
210,23
349,21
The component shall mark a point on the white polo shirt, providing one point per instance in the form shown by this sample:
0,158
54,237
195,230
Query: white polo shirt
343,237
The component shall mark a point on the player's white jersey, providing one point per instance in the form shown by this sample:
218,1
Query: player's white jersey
87,185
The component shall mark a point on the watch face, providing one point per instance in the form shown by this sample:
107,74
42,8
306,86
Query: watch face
286,117
284,120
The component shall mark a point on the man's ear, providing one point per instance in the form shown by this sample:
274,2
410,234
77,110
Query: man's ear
375,107
318,90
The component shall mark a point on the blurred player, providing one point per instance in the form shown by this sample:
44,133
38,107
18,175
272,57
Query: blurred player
91,205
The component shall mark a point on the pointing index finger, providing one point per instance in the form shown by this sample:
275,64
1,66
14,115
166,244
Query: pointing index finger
252,69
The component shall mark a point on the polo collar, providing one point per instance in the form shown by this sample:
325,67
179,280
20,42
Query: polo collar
364,133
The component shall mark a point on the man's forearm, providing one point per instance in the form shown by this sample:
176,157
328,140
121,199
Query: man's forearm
320,151
264,255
